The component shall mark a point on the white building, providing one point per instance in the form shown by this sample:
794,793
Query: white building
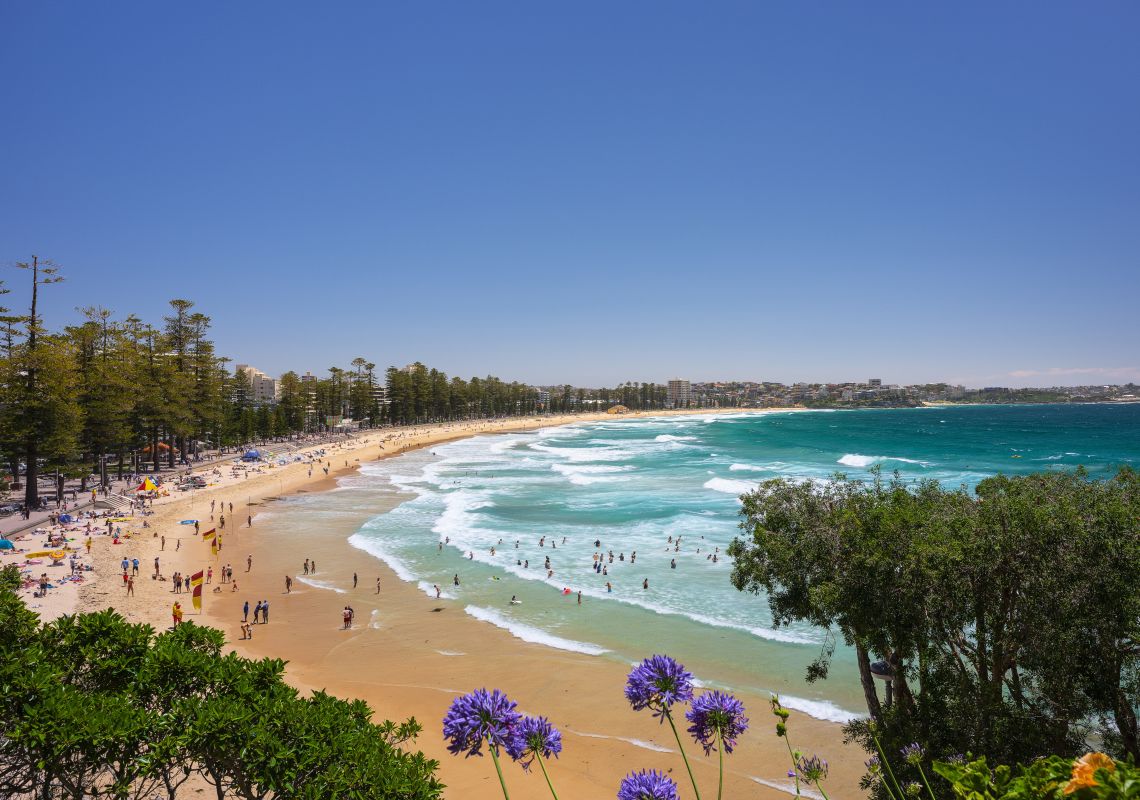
264,387
679,394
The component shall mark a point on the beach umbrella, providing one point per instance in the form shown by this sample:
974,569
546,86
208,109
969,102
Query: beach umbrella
6,545
147,486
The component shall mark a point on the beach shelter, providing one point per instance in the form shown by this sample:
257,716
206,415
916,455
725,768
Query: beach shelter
6,545
147,486
251,455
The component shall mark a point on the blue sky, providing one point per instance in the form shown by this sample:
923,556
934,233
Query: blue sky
593,192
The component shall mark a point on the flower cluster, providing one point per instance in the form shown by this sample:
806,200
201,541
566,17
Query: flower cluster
913,753
657,683
478,717
812,770
716,713
648,785
533,737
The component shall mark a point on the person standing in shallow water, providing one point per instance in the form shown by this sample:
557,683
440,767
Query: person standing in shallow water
645,584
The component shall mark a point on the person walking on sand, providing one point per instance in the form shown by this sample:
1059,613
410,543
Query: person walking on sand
377,586
265,611
176,613
88,543
249,521
354,580
249,562
130,586
163,542
245,612
288,584
347,615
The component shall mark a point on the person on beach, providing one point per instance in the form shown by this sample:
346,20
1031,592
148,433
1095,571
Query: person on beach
645,584
130,586
246,631
265,612
249,562
455,580
245,612
288,584
354,580
234,587
579,597
609,586
163,542
222,522
306,566
347,615
176,613
249,522
437,591
88,543
196,531
313,567
157,571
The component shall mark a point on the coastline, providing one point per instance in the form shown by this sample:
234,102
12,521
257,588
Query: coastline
409,655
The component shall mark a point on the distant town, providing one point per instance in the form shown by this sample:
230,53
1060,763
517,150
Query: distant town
678,393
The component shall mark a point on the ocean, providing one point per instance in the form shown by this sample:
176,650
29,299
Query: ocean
490,511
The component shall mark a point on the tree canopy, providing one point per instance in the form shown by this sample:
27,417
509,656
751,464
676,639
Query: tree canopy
1008,620
96,706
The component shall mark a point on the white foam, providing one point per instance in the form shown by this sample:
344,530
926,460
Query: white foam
316,584
748,468
429,590
820,709
374,619
857,460
788,787
373,547
644,745
729,486
528,633
668,437
451,653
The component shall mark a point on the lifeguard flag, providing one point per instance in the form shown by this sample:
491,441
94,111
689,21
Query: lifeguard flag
196,596
208,535
215,544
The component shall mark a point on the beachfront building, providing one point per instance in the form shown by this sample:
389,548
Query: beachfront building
263,387
875,383
679,394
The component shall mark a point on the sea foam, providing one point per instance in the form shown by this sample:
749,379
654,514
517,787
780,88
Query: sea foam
529,633
857,460
729,486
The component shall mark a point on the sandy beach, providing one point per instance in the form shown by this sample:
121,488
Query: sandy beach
407,654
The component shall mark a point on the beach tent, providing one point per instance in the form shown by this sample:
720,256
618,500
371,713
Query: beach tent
6,545
147,486
65,518
251,455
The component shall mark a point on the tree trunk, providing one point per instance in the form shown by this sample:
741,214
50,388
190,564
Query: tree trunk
870,693
31,475
1125,717
154,450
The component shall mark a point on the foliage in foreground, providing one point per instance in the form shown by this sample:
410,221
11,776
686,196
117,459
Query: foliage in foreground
660,685
91,705
1009,622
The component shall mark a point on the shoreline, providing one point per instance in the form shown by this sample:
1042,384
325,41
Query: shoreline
409,654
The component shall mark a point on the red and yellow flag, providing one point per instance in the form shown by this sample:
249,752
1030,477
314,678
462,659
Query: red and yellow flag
196,585
208,535
215,544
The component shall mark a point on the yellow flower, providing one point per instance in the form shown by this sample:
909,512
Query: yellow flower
1084,770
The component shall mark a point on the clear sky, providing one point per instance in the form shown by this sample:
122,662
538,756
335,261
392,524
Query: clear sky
593,192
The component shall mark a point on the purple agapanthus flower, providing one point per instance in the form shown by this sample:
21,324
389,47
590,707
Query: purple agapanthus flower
812,770
533,737
647,785
657,683
716,712
478,717
913,753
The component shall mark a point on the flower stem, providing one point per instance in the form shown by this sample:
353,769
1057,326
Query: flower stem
819,786
720,757
792,755
886,762
684,757
926,781
548,783
499,770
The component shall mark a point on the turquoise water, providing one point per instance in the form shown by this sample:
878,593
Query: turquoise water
630,485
